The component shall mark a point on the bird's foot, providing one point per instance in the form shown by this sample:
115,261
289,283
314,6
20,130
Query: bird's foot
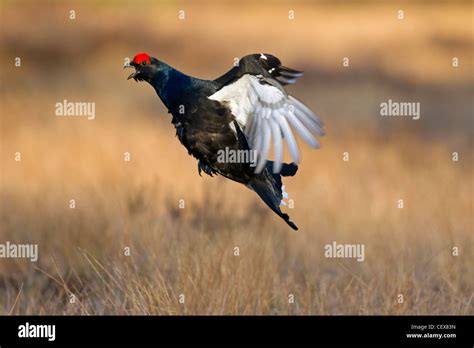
206,169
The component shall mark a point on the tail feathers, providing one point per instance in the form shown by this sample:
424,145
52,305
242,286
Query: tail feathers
269,188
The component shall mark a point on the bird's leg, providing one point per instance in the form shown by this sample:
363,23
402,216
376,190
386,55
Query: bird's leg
205,168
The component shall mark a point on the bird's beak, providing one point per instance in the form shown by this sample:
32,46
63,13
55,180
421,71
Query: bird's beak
133,74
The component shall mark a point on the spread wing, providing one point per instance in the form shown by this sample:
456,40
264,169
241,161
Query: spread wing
268,116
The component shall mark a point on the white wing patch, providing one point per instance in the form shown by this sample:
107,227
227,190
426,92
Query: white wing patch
265,112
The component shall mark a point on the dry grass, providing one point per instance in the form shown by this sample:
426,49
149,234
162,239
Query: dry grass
190,251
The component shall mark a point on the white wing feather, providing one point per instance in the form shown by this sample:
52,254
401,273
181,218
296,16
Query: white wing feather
263,112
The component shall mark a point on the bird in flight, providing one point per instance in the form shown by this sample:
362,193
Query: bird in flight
246,109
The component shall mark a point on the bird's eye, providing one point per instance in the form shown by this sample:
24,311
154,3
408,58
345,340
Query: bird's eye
144,62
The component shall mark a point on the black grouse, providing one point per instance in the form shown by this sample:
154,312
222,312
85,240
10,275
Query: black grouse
240,112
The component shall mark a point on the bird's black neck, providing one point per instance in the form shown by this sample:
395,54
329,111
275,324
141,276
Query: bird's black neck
169,84
176,88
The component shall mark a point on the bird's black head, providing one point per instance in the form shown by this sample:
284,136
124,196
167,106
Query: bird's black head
146,67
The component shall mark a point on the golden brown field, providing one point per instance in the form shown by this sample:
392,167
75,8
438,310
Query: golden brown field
191,251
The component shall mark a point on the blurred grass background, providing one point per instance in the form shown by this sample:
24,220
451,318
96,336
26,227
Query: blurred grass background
190,251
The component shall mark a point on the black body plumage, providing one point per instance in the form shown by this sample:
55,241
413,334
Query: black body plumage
205,126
